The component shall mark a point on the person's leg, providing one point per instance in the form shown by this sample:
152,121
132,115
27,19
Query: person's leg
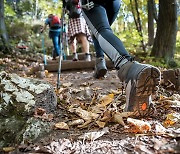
84,42
100,65
100,69
140,80
55,40
82,38
101,29
73,48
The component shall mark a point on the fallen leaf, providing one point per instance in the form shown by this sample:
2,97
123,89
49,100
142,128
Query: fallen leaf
39,111
116,92
105,100
106,116
100,124
84,114
76,122
138,126
68,84
8,149
61,125
84,125
46,72
94,135
159,129
118,117
171,119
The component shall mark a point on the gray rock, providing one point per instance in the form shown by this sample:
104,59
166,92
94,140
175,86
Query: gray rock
19,97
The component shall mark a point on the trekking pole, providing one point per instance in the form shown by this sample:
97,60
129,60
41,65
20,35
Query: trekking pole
44,50
61,47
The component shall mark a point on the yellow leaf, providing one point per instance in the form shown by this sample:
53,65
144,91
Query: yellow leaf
46,72
171,119
8,149
100,124
105,100
168,122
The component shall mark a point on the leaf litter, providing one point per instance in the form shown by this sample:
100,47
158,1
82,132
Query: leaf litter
90,115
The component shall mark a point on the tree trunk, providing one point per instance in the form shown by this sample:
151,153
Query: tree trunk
150,6
36,9
3,32
165,40
137,21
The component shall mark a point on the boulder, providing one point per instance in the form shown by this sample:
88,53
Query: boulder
19,97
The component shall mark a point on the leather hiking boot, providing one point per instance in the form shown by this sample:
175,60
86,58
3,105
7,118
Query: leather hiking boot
140,81
75,57
87,57
100,68
54,55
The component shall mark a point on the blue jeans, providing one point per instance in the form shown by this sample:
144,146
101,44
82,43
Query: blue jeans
99,19
55,36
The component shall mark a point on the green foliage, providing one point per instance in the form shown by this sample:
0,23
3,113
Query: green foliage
24,21
178,43
19,30
9,11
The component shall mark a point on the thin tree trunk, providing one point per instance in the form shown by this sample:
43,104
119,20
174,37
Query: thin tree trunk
165,40
3,32
138,22
36,9
150,6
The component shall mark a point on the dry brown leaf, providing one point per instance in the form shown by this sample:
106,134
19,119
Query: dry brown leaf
106,100
62,125
68,84
50,75
94,135
8,149
39,111
106,116
84,114
58,91
84,125
100,124
118,117
76,122
116,92
48,117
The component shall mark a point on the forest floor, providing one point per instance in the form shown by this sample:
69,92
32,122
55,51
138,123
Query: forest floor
78,97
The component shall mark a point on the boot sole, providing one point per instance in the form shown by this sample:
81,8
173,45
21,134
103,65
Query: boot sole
147,84
148,81
101,73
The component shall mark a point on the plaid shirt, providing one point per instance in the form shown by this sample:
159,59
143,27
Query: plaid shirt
76,26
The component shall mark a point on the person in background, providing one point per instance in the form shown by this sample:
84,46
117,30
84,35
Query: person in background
78,31
54,32
141,81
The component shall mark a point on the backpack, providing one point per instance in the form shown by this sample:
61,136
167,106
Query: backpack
74,9
55,22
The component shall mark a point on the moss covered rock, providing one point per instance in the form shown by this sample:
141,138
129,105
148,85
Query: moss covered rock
19,97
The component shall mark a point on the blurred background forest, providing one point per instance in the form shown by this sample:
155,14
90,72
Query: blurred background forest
148,28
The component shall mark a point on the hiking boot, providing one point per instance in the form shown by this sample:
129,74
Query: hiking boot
87,57
140,81
54,55
100,68
75,57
